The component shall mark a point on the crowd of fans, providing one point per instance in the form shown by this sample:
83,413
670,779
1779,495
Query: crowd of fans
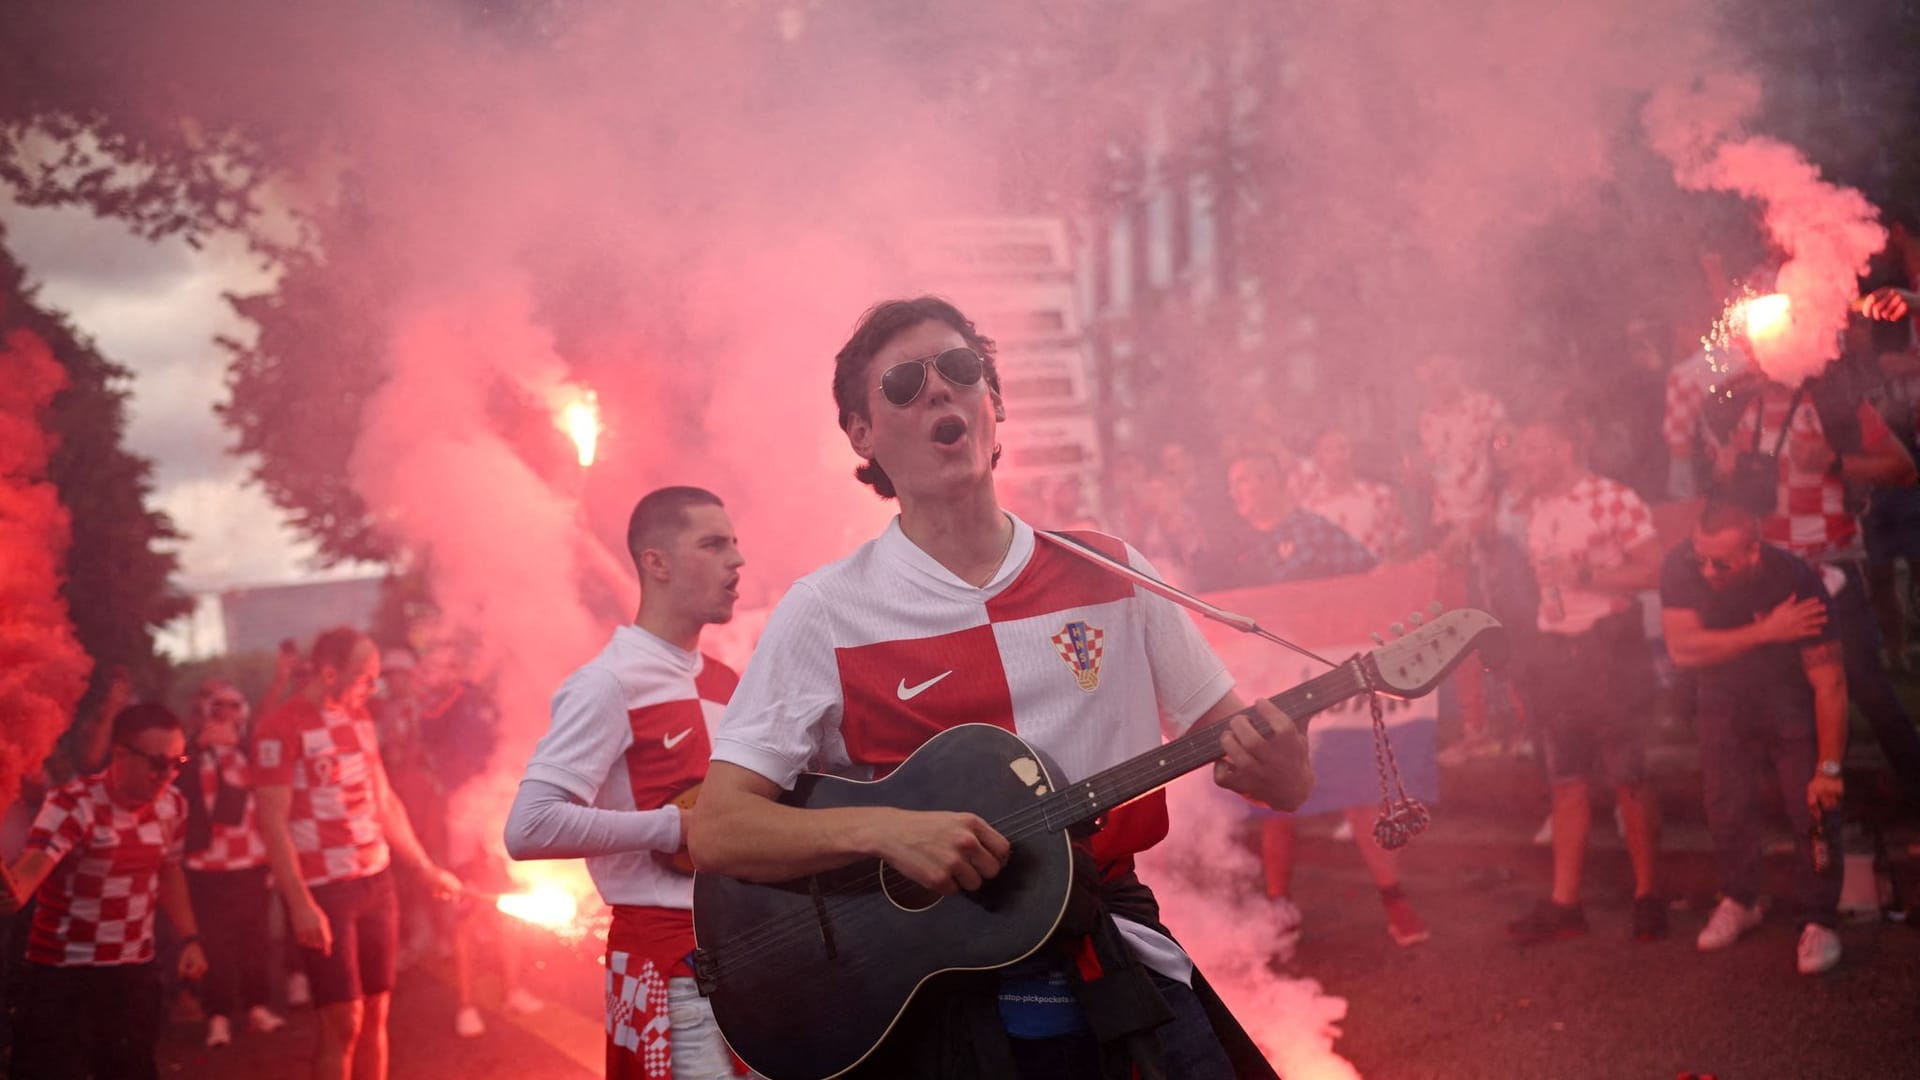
1780,608
139,802
1797,505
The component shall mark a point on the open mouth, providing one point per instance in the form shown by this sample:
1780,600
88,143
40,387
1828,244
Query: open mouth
949,430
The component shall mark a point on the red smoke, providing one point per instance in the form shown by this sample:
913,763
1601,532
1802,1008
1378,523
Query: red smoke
43,669
1825,232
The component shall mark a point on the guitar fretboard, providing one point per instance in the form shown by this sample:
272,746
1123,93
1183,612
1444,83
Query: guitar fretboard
1101,792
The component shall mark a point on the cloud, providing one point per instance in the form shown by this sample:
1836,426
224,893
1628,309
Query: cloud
155,309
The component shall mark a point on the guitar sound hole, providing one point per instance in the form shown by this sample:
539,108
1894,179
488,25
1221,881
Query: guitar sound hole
906,893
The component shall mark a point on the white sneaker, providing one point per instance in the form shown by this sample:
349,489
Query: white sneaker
467,1023
1819,949
220,1032
298,992
265,1020
1727,923
519,1000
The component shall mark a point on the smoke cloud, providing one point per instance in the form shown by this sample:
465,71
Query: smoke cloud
1206,884
1824,233
684,208
43,669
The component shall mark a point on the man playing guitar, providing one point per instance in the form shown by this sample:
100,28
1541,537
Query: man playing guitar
958,614
610,780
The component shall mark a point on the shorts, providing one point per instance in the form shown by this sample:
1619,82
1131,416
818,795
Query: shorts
365,918
1590,697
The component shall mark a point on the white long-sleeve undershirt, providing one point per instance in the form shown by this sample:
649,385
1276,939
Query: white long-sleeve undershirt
547,823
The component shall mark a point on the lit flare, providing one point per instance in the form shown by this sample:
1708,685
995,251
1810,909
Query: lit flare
545,906
580,419
1766,317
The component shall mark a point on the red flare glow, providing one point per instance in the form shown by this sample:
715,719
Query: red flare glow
546,906
580,419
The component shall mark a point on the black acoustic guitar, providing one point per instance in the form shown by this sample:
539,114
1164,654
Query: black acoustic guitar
806,977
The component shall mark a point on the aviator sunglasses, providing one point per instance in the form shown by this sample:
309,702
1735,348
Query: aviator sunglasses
902,383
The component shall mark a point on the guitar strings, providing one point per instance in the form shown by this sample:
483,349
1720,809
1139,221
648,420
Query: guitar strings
777,933
1200,745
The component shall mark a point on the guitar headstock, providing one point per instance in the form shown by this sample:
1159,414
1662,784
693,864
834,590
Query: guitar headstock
1414,664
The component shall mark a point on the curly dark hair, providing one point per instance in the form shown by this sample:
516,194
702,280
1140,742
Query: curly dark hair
880,324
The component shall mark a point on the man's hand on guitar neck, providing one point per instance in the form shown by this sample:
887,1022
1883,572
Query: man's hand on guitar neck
1274,770
941,850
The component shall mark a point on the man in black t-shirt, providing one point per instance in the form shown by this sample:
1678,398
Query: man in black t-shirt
1752,619
1276,539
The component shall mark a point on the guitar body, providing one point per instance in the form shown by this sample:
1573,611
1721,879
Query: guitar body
809,975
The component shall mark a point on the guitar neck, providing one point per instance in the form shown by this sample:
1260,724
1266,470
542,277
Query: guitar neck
1078,803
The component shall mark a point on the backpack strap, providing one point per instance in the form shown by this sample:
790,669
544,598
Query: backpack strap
1760,421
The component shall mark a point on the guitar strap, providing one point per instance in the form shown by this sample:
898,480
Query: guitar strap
1074,545
1402,817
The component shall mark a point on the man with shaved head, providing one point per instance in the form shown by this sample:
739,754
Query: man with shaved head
1754,621
610,781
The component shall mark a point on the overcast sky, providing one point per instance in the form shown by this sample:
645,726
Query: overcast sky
155,308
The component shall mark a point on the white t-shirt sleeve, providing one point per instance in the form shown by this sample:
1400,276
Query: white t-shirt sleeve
789,695
588,734
1188,676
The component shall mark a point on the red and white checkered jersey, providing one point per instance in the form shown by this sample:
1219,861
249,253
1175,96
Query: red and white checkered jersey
1592,525
1458,441
1687,389
1366,511
96,907
328,758
866,659
1810,516
632,729
232,847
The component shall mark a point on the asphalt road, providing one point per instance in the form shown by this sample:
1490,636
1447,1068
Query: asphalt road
1466,1004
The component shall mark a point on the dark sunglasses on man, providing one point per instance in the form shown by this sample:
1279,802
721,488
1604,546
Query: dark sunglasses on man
1724,566
902,383
159,763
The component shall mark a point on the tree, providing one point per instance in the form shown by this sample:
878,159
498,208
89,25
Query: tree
118,567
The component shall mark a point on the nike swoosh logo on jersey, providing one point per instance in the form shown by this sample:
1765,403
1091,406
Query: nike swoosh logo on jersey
908,693
672,741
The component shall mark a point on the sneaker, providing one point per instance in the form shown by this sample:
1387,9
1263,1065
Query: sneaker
522,1002
1649,918
1403,923
467,1023
1727,923
1548,921
298,992
1819,949
265,1020
220,1032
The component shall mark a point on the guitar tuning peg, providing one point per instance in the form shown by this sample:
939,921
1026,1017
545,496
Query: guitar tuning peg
1416,618
1397,630
1377,639
1435,608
